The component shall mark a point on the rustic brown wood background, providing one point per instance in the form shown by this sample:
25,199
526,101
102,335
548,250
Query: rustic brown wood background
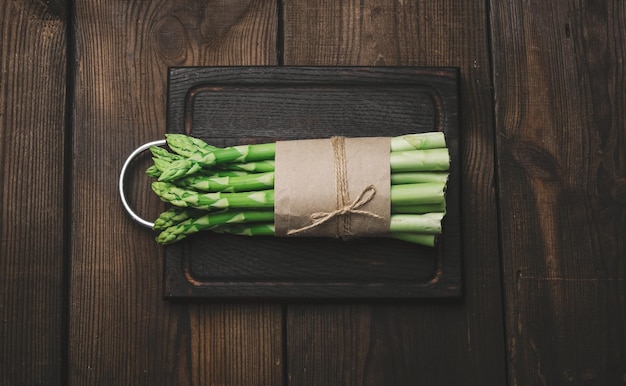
543,112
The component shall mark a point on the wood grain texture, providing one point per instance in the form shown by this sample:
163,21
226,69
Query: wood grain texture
32,123
558,77
560,88
121,331
420,343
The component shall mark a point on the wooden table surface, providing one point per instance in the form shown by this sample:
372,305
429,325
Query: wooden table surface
543,155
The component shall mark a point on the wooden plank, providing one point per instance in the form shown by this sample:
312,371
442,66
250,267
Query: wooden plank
121,330
409,343
32,123
559,70
266,104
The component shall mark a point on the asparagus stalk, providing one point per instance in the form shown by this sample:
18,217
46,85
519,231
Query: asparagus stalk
418,177
420,160
416,238
267,229
419,208
416,194
401,195
240,181
161,153
244,183
409,162
185,198
162,164
428,223
153,171
251,167
173,216
188,146
242,153
209,221
222,173
260,229
420,141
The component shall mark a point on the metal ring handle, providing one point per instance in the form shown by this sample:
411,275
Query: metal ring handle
130,158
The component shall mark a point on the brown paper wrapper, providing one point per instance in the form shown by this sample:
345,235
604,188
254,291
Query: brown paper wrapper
307,182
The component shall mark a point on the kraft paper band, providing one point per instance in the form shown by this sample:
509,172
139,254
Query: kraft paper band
337,187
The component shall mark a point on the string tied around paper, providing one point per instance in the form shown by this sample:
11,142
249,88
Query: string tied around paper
320,218
345,207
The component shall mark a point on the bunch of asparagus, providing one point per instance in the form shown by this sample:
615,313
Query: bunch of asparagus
230,190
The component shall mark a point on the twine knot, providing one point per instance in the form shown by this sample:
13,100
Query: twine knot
319,218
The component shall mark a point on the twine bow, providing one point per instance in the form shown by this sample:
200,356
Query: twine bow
319,218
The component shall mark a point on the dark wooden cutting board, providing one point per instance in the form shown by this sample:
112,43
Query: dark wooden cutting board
238,105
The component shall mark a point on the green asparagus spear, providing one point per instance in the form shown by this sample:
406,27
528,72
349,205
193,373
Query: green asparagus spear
253,229
419,160
242,153
420,141
244,183
267,229
416,238
429,223
153,171
175,215
161,153
251,167
209,221
416,194
185,198
419,208
188,146
418,177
